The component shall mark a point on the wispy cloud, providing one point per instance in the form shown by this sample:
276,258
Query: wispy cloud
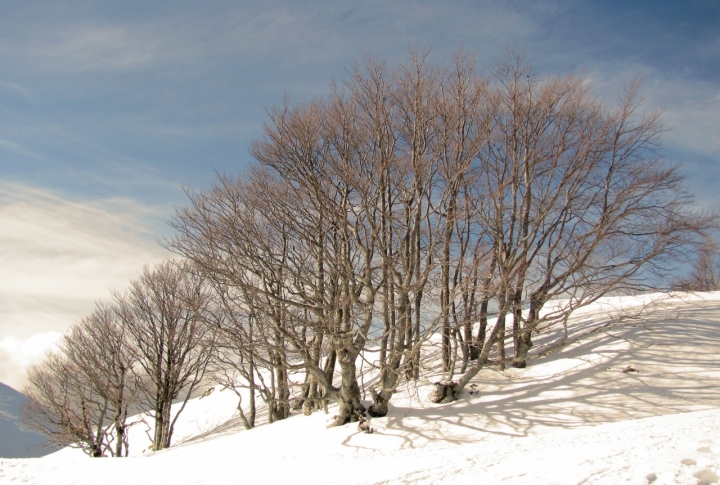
690,113
19,149
73,159
314,32
692,109
17,89
83,48
58,257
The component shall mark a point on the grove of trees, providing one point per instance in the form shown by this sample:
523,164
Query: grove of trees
414,205
142,352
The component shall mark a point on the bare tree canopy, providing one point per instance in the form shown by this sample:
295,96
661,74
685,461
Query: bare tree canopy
81,395
164,314
414,199
705,269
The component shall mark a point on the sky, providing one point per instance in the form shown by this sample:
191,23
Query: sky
109,109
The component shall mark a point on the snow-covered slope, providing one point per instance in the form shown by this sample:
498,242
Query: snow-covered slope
573,417
17,441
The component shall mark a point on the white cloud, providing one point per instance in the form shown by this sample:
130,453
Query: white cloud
16,354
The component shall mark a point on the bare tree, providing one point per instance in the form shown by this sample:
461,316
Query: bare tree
81,395
99,346
342,221
164,314
582,207
64,407
705,271
247,356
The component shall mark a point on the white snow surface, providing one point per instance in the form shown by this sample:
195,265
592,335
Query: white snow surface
572,417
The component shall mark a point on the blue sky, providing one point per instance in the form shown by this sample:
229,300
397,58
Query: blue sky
135,99
107,109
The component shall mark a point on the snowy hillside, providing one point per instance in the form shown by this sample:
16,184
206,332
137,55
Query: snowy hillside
17,441
574,417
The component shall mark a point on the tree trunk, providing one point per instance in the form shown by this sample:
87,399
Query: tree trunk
524,340
349,396
251,382
517,321
501,340
482,329
484,303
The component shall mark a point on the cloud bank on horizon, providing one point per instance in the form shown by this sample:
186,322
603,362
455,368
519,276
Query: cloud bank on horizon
107,109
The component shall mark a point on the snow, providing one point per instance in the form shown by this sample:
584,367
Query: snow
572,417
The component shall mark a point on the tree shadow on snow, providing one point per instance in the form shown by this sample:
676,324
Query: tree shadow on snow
675,351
